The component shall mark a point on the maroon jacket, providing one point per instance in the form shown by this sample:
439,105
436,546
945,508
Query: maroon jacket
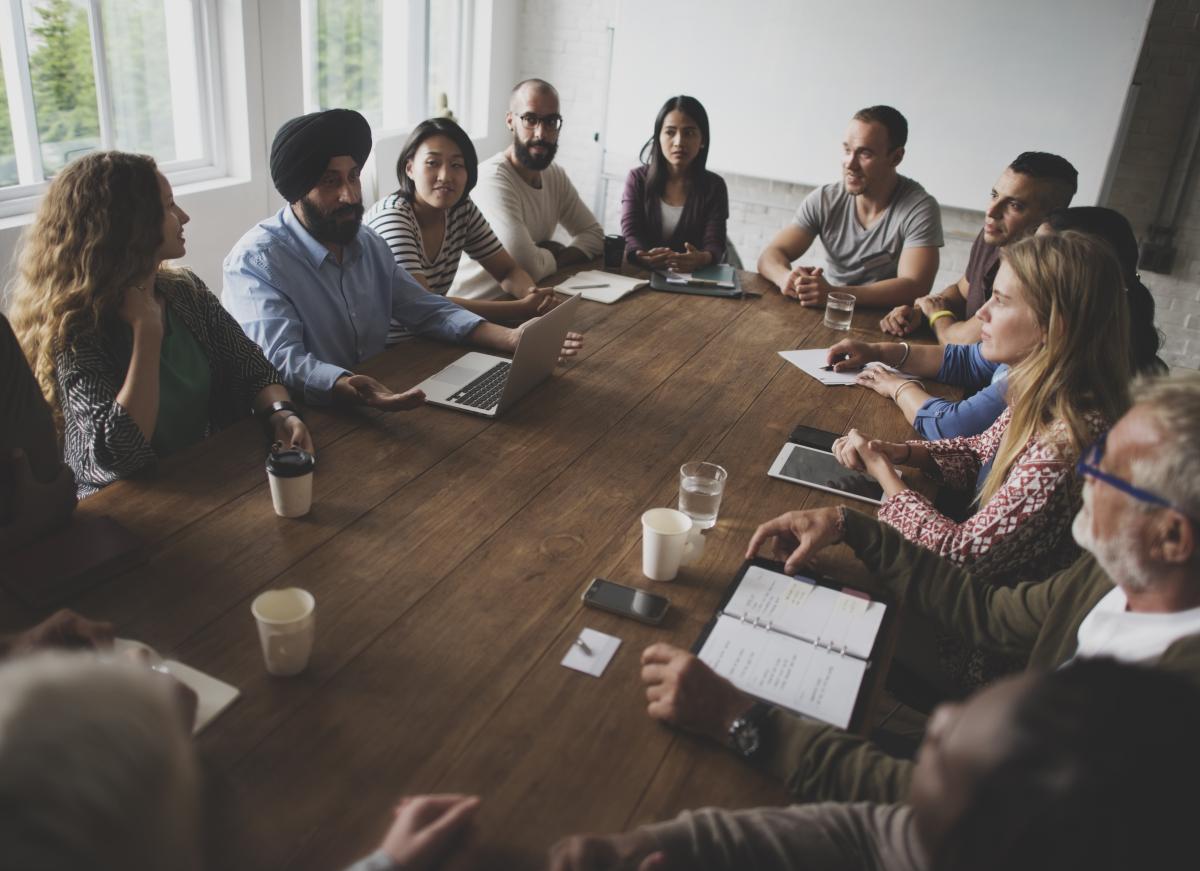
702,222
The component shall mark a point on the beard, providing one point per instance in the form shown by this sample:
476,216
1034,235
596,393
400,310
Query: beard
1119,556
327,228
521,149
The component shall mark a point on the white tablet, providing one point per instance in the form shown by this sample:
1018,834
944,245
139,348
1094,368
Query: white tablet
813,468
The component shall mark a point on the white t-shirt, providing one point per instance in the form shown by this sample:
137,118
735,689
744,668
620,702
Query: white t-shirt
1111,630
522,216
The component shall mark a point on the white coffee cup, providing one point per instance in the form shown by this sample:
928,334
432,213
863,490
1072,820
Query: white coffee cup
286,628
291,476
669,539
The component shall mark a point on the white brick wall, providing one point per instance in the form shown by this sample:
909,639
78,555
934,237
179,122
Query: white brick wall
566,41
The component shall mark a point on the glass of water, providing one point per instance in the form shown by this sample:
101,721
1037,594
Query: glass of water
700,489
839,310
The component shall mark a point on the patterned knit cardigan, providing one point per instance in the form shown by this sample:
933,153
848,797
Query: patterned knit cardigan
1024,531
101,443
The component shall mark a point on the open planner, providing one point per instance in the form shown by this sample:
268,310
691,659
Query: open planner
793,641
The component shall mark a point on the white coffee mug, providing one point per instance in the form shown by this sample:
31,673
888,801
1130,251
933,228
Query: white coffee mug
669,539
286,628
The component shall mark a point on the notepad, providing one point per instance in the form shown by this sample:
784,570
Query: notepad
812,361
794,642
605,287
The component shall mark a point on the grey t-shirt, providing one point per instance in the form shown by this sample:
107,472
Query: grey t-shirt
855,255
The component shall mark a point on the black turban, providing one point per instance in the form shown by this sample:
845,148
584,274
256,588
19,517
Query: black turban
304,146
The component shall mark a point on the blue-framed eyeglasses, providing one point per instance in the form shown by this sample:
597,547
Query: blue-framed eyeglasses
1089,464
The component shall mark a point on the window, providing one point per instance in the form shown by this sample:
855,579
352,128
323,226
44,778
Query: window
396,61
82,75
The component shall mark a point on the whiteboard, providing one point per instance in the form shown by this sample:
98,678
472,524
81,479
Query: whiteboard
979,82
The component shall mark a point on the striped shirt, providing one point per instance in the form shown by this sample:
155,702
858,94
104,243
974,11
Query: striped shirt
466,230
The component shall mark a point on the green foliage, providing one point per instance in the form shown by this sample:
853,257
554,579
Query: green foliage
64,88
349,55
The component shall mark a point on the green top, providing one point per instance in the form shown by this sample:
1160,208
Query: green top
184,385
1039,620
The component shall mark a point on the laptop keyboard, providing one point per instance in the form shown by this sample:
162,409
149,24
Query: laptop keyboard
484,392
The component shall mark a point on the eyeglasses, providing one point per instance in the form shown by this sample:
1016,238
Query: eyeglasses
531,120
1089,465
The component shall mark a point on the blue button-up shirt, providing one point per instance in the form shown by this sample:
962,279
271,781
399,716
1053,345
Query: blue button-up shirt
316,319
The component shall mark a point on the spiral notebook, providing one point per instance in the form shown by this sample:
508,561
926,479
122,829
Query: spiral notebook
796,642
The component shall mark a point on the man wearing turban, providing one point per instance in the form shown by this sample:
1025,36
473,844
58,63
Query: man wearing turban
316,290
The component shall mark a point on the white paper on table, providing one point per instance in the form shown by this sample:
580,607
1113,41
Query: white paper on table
212,696
807,679
811,361
807,610
615,286
603,648
688,278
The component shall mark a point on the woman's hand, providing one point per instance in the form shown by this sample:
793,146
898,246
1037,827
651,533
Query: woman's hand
848,355
537,302
880,380
141,309
877,458
655,258
690,260
289,430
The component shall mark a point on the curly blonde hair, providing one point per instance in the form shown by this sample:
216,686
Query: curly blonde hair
1073,284
97,232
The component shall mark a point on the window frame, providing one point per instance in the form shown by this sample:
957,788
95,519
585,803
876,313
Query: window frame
23,197
404,108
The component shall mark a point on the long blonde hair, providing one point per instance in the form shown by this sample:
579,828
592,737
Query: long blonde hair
98,232
1073,284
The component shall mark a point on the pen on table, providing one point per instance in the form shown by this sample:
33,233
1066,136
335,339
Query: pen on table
583,646
841,359
586,286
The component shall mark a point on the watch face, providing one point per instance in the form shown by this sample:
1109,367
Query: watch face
745,737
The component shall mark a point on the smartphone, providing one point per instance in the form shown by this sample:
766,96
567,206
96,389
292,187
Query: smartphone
626,601
817,439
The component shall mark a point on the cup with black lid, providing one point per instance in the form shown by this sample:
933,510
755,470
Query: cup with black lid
290,473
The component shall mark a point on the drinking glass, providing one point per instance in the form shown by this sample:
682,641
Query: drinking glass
700,488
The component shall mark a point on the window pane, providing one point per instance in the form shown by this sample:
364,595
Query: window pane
8,154
150,55
349,55
443,60
64,87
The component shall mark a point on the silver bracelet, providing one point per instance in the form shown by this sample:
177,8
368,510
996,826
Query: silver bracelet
907,350
909,382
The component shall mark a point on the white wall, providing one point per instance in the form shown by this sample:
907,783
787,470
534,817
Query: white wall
565,42
262,87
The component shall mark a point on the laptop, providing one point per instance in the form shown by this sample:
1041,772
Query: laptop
486,384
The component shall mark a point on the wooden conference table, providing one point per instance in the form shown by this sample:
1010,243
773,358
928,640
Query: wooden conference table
447,554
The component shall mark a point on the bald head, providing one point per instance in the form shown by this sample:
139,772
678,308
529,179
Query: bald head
525,91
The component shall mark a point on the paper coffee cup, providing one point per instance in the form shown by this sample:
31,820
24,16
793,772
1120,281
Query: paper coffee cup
291,475
666,539
286,628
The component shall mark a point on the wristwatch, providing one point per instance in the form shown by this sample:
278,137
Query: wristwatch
749,733
282,405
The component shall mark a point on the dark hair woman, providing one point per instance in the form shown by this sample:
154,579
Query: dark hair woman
430,220
673,210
